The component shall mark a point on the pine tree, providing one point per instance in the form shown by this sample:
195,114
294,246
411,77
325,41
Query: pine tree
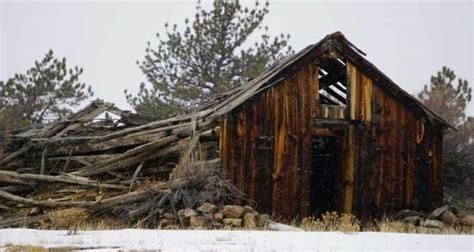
445,98
450,101
48,90
211,55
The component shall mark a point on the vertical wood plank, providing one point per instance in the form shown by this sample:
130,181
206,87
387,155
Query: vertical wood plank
349,170
252,168
352,88
309,110
367,100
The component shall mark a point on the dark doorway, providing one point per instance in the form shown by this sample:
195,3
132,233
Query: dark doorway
324,173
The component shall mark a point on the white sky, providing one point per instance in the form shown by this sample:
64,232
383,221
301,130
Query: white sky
409,41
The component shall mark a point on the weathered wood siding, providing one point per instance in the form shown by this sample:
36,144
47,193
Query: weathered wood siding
398,155
330,112
266,145
391,156
360,113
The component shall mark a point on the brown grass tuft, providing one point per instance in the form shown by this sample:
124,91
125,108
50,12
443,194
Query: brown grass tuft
68,218
332,221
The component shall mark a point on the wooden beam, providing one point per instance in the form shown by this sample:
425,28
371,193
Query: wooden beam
61,178
335,95
323,132
333,122
332,78
338,88
326,99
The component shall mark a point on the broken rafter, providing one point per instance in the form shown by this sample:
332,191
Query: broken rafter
137,195
332,78
133,156
7,175
335,95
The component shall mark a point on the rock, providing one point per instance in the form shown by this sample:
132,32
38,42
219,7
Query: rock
34,211
461,213
415,220
249,209
218,217
184,215
233,211
281,227
432,224
403,214
438,212
249,221
467,220
233,222
262,220
198,222
449,218
188,212
208,208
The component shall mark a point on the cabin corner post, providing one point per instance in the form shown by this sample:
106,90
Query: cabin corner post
441,166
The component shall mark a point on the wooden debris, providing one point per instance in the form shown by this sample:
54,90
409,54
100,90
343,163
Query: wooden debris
114,166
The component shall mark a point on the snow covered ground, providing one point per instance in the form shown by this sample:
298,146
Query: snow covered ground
222,240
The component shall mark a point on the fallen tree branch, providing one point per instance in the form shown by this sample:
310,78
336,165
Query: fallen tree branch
15,154
46,203
60,178
135,174
130,157
137,195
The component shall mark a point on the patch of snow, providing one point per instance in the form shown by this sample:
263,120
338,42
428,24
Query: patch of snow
232,240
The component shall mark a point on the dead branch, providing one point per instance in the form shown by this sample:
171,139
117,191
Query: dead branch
9,175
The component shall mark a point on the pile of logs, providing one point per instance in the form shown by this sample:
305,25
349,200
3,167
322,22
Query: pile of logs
128,166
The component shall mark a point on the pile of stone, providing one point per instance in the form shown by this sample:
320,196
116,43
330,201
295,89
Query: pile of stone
210,216
441,217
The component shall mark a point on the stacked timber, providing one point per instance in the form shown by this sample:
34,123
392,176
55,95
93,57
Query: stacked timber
131,166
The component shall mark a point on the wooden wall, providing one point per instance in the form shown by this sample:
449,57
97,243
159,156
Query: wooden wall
398,154
391,155
266,145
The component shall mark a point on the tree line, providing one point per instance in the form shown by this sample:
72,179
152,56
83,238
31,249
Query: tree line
209,55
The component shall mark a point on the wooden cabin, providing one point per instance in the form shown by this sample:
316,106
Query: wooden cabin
325,130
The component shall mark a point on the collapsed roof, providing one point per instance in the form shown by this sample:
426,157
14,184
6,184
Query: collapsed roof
225,103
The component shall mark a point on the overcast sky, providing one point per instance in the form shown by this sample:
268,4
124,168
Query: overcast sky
409,41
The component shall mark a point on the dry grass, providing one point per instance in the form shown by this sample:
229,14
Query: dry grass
394,226
68,218
26,248
333,221
74,219
31,248
102,224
